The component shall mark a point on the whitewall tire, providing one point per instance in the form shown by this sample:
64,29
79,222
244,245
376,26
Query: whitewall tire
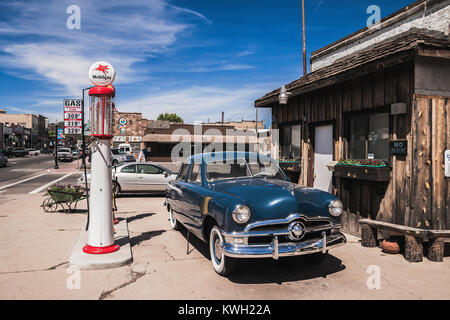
174,224
222,264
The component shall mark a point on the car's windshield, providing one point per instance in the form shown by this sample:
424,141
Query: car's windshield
63,150
117,151
257,167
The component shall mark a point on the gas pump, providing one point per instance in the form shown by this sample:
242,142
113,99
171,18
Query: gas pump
100,229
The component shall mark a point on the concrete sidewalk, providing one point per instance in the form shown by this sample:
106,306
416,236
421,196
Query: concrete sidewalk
35,248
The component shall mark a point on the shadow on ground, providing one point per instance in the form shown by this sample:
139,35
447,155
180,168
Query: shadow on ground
260,271
144,236
142,195
138,217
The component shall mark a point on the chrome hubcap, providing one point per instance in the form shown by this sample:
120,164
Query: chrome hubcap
218,249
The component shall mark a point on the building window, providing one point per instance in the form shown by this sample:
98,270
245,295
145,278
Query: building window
369,136
290,141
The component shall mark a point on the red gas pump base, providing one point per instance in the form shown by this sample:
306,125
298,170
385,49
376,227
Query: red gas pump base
100,250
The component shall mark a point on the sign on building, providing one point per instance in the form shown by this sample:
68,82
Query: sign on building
60,134
73,116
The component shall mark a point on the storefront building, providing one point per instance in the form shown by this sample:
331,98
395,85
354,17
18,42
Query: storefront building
388,102
37,137
160,142
129,129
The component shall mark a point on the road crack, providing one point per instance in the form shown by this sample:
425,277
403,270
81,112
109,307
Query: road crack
135,275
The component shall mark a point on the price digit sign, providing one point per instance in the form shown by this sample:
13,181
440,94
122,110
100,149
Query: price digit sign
73,116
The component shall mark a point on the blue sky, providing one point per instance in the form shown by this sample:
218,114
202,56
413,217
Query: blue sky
193,57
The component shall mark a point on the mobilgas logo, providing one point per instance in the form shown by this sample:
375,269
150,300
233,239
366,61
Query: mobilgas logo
101,73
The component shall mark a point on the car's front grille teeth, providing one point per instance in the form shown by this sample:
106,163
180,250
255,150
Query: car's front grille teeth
314,228
265,240
319,224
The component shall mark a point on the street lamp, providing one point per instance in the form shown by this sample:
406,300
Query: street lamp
283,96
56,145
100,229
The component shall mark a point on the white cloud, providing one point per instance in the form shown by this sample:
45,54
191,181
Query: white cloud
35,39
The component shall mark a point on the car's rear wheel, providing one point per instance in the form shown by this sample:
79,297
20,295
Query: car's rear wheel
116,189
222,264
174,223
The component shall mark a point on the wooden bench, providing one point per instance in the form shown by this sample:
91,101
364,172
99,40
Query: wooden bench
415,239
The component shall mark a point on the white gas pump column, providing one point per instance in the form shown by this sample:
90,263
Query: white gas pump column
100,229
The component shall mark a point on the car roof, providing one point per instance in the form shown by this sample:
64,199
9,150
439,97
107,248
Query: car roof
212,156
144,162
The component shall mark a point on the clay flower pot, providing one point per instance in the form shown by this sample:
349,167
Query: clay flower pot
390,246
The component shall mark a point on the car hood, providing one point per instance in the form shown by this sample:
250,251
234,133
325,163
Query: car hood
273,198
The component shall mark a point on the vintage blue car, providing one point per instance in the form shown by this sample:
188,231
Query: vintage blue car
243,205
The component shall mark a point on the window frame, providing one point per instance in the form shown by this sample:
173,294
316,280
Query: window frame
179,175
347,129
198,173
288,125
127,166
149,165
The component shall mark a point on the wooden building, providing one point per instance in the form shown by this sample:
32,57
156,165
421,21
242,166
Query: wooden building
388,101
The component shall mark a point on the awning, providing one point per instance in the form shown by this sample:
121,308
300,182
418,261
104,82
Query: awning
176,138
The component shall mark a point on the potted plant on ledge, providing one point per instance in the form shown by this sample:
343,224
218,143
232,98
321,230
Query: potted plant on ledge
374,170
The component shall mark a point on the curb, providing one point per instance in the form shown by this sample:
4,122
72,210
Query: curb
117,259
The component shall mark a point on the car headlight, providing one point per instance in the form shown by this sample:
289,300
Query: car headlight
241,214
336,208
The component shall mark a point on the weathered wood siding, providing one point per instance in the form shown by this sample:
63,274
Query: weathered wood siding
430,196
374,91
418,194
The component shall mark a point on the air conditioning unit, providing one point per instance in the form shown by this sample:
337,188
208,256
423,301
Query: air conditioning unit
398,108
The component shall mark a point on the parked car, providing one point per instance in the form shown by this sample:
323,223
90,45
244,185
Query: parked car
76,154
65,154
18,152
143,177
3,160
46,150
7,152
243,205
126,148
33,152
118,157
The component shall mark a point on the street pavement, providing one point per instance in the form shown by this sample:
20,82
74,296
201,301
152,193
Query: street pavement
35,247
24,175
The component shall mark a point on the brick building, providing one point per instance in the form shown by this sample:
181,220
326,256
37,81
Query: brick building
36,136
128,127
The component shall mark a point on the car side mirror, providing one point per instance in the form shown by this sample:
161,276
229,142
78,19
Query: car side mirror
166,174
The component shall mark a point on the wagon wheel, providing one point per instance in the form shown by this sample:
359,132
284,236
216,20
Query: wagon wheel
69,207
75,207
49,205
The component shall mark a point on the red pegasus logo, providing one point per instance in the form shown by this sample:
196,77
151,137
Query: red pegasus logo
102,68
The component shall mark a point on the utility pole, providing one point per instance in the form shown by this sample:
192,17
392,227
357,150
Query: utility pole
56,146
304,39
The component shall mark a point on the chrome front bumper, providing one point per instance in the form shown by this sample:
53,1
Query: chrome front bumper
321,234
276,249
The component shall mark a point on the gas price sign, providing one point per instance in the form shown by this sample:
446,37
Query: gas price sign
72,116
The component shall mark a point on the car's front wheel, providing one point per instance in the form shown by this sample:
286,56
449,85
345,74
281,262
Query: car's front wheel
222,264
174,223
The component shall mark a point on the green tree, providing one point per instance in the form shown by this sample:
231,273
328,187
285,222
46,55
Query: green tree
172,117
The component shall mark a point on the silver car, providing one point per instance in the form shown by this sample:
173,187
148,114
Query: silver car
136,177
